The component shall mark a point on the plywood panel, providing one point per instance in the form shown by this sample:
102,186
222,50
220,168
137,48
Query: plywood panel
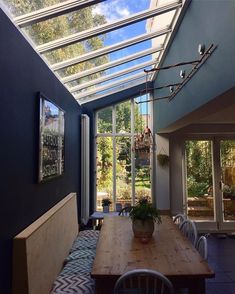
39,250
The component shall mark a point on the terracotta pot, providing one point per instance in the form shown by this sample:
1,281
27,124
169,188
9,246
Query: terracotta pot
143,229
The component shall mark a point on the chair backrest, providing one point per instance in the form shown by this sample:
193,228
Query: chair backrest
201,246
189,229
125,211
143,281
179,218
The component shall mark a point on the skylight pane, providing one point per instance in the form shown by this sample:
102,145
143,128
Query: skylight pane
20,7
109,83
112,90
64,25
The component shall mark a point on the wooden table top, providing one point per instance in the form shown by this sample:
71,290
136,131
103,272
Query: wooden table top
168,252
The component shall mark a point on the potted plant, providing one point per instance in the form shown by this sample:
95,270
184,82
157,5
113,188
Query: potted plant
106,203
163,159
143,216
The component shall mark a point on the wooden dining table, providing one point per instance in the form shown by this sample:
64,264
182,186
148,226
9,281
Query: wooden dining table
168,252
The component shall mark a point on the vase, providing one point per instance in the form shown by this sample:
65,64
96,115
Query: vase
105,209
143,229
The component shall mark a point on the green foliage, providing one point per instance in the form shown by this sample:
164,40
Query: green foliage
163,159
62,26
197,189
145,210
123,117
199,167
104,163
106,202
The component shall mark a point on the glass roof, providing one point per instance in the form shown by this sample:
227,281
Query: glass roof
97,47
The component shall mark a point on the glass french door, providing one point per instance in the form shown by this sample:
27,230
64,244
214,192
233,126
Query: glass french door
210,183
227,184
200,191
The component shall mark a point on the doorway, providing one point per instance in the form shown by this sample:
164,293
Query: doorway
210,183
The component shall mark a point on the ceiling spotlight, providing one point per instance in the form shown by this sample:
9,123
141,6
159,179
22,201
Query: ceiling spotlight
201,49
182,74
171,89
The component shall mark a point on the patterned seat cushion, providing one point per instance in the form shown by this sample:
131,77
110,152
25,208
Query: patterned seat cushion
77,266
89,234
83,243
73,284
81,254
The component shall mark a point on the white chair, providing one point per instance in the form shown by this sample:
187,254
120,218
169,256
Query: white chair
189,229
143,281
125,211
201,246
179,218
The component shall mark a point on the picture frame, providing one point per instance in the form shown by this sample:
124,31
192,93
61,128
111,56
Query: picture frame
51,139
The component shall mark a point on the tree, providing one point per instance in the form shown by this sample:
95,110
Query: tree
62,26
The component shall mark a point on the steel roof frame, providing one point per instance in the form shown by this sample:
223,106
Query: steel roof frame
53,11
109,49
111,76
81,36
111,64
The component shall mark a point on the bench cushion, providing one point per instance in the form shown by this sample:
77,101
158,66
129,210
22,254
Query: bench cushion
73,284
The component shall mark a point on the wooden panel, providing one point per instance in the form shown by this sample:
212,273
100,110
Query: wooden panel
168,252
40,249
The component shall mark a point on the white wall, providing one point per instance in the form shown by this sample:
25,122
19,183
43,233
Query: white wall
161,182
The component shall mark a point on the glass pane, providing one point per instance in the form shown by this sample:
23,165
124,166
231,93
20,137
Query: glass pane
104,177
104,121
123,117
141,117
227,153
17,7
123,171
200,192
142,174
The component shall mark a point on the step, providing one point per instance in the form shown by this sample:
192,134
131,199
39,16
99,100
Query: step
197,201
200,211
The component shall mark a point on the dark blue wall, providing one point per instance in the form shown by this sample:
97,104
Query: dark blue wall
205,22
22,199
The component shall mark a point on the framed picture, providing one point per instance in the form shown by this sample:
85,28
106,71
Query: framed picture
51,140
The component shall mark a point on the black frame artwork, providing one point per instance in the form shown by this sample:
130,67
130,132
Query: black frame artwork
51,140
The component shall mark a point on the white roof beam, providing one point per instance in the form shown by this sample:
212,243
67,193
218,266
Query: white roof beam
110,85
109,49
111,64
81,36
112,76
113,91
52,11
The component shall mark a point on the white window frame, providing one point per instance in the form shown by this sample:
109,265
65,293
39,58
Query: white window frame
114,135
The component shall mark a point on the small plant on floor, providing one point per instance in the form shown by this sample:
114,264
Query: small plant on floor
106,202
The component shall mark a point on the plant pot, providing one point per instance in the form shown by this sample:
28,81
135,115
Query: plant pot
163,159
105,209
143,229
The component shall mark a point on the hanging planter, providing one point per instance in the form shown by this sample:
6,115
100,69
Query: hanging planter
163,159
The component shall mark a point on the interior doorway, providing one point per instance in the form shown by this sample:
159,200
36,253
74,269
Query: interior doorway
210,182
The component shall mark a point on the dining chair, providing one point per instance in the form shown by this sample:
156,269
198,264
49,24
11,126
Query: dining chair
143,281
179,218
189,229
125,211
201,246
